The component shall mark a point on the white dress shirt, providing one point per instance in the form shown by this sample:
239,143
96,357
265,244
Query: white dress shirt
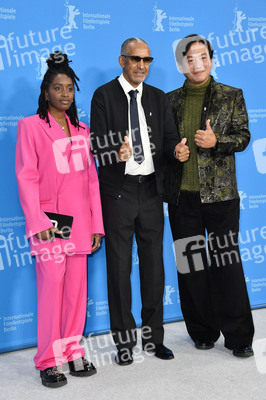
132,167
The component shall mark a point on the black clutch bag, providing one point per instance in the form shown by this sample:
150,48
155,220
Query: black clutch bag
62,223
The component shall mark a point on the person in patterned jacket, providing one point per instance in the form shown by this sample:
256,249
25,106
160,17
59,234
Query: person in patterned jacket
204,203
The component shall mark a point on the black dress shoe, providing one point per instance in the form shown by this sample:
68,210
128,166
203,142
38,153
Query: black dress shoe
204,345
81,367
52,377
159,350
124,357
243,351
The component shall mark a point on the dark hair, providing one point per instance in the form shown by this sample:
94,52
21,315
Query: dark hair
184,45
58,63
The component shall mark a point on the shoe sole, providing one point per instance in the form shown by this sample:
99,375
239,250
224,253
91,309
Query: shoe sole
170,357
204,347
82,374
245,355
124,363
54,384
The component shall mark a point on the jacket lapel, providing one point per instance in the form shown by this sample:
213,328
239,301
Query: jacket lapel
179,113
121,104
61,146
54,131
150,118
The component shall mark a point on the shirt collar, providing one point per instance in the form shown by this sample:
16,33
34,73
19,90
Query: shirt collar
127,87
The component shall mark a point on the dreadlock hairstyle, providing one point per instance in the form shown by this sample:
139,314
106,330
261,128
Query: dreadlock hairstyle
58,63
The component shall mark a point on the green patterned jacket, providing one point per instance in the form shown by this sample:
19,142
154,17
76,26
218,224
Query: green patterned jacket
225,107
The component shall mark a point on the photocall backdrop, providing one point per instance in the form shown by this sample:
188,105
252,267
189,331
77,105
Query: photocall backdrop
91,34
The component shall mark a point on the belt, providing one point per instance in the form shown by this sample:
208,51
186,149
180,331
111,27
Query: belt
139,178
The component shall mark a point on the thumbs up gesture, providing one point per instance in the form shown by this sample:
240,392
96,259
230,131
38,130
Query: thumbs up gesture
125,151
205,139
182,151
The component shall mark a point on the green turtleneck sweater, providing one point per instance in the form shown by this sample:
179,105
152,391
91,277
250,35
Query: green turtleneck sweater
192,118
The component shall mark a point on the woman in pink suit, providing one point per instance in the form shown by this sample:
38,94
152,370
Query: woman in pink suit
56,173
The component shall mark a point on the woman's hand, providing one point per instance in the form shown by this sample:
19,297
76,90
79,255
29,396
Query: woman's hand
47,235
95,241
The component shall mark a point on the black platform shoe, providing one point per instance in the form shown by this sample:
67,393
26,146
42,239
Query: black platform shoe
81,367
52,377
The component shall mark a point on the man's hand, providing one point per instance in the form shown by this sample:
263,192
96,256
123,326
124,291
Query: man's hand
95,241
47,234
125,151
205,139
182,151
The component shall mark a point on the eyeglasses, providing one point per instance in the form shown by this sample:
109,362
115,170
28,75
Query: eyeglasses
137,59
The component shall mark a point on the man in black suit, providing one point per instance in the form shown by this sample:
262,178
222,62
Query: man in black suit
132,129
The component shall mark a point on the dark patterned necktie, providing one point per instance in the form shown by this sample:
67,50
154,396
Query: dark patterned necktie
135,128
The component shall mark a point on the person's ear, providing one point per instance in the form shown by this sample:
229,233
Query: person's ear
121,60
180,67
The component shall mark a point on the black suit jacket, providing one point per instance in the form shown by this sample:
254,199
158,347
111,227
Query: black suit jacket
109,125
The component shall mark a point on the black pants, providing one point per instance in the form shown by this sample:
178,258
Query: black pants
212,286
139,210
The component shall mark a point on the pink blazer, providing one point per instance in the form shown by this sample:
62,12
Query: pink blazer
58,175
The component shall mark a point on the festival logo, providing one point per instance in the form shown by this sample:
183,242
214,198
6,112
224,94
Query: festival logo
259,150
89,21
90,302
172,23
159,16
242,196
167,298
41,68
215,64
81,113
244,42
237,22
8,14
71,13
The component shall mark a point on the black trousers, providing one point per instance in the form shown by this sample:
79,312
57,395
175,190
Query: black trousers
212,286
139,211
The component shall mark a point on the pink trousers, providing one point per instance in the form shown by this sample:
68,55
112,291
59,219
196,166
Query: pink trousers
61,309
